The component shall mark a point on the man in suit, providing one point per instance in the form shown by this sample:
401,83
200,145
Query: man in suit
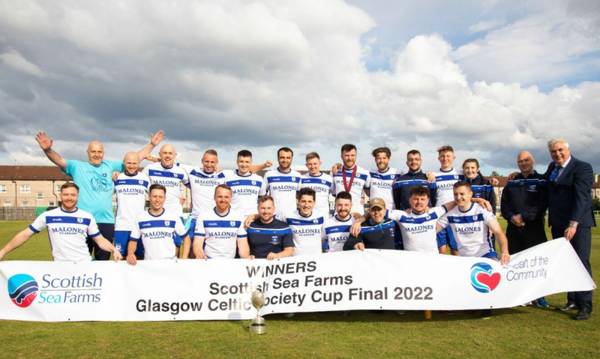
570,212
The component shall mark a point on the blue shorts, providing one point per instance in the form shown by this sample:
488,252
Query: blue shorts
491,255
121,240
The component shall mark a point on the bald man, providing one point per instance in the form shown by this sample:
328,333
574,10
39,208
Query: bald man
94,178
131,188
174,177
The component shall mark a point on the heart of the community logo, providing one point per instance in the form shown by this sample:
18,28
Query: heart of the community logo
22,289
483,277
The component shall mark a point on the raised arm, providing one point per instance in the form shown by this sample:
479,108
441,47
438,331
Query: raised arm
16,242
45,143
154,141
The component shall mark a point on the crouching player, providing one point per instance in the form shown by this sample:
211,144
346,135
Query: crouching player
68,229
471,225
268,237
156,229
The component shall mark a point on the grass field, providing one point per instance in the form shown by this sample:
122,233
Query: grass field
522,332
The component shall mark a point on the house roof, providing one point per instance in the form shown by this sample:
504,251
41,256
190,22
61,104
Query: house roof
32,173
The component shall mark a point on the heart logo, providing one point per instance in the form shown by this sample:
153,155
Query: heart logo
483,277
491,281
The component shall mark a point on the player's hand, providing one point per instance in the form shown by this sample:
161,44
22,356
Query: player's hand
157,137
504,258
355,229
117,255
200,255
512,176
482,202
272,256
570,232
248,221
360,246
268,163
115,175
494,181
131,259
44,140
517,220
1,254
430,177
336,168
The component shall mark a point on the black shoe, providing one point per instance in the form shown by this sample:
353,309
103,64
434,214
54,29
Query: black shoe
567,307
583,314
486,313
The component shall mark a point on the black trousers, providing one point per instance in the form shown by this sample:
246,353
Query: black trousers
582,243
521,238
108,231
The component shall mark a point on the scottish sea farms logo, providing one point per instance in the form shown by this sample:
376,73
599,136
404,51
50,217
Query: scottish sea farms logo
22,289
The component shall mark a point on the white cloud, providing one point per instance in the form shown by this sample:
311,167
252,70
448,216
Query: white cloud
16,61
260,75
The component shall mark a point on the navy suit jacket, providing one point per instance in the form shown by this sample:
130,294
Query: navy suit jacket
570,197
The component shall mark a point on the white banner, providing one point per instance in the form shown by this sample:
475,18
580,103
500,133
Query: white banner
220,289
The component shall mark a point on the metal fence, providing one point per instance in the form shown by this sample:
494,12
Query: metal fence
19,214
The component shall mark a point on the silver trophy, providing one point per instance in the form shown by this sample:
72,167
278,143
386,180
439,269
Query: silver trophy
258,325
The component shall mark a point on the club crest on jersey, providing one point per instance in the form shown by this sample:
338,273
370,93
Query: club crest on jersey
167,223
253,183
274,239
79,220
456,177
428,217
474,218
141,182
315,221
232,223
322,181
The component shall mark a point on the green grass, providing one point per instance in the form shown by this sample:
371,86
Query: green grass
511,333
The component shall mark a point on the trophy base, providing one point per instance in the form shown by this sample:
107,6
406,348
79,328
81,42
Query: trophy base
258,326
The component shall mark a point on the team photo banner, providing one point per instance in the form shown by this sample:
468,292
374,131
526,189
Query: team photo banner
221,289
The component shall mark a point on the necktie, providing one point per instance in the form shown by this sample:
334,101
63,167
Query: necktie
554,174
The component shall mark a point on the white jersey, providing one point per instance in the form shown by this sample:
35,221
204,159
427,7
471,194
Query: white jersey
220,233
323,187
337,232
419,230
360,182
158,234
173,179
68,232
444,182
381,185
308,232
202,186
470,229
245,191
282,186
131,199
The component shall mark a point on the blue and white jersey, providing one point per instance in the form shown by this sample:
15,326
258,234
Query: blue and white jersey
361,181
68,232
202,186
444,182
282,187
245,189
308,232
158,234
336,234
173,179
419,230
381,185
131,194
323,187
220,232
470,228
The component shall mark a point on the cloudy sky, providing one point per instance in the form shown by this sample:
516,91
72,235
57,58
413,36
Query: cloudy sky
489,77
